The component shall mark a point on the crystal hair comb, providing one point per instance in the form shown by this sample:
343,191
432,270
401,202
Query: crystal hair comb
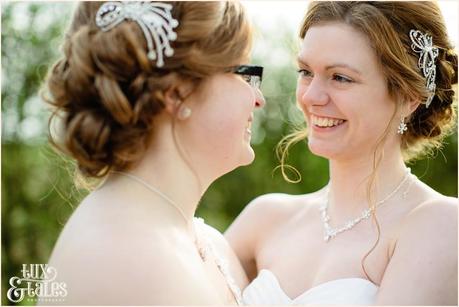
154,19
422,44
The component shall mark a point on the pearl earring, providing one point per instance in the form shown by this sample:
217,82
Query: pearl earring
184,112
402,127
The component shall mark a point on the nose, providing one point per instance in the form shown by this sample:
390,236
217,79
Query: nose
259,98
312,94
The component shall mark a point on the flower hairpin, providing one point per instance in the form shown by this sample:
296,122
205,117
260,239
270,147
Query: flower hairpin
154,18
422,44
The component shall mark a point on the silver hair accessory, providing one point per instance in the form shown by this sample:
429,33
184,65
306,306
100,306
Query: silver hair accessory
422,44
154,18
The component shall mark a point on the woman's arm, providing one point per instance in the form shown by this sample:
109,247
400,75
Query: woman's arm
423,268
255,223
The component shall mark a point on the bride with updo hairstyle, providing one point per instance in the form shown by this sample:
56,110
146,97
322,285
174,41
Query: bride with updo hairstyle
375,86
155,101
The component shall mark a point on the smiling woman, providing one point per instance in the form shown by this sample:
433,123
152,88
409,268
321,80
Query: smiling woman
38,194
375,87
339,130
156,100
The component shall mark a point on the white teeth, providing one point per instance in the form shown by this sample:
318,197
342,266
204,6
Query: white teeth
325,122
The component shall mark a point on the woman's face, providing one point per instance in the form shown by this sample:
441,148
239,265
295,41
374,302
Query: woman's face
342,92
217,134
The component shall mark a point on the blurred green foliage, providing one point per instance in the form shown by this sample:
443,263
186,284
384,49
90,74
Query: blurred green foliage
38,195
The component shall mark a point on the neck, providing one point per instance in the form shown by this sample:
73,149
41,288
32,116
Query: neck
163,168
349,182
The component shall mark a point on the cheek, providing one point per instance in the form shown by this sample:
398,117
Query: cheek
373,118
222,128
223,124
300,90
225,112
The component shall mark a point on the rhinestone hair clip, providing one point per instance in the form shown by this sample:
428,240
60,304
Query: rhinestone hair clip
154,18
422,44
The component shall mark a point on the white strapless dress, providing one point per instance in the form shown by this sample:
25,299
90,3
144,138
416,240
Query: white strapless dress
266,290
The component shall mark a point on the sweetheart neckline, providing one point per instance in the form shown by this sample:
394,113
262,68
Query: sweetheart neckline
276,280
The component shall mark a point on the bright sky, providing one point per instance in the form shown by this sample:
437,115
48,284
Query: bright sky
266,14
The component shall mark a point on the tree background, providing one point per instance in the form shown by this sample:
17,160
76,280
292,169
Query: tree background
38,194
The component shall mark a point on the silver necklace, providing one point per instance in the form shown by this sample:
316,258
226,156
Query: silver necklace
155,190
331,232
202,243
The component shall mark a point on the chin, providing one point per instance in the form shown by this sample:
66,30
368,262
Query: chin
323,150
248,156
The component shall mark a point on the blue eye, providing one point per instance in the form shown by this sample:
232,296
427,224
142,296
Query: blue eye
342,79
304,73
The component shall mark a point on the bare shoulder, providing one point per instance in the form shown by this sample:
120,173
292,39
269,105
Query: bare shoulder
423,267
276,207
433,221
436,214
431,213
265,213
115,257
260,218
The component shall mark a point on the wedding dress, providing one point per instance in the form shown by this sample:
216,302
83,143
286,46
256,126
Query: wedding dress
266,290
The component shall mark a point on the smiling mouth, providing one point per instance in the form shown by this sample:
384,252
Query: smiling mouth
326,122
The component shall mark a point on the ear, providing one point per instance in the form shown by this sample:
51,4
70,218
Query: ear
172,100
410,106
175,95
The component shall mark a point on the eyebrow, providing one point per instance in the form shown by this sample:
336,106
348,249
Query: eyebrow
342,65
